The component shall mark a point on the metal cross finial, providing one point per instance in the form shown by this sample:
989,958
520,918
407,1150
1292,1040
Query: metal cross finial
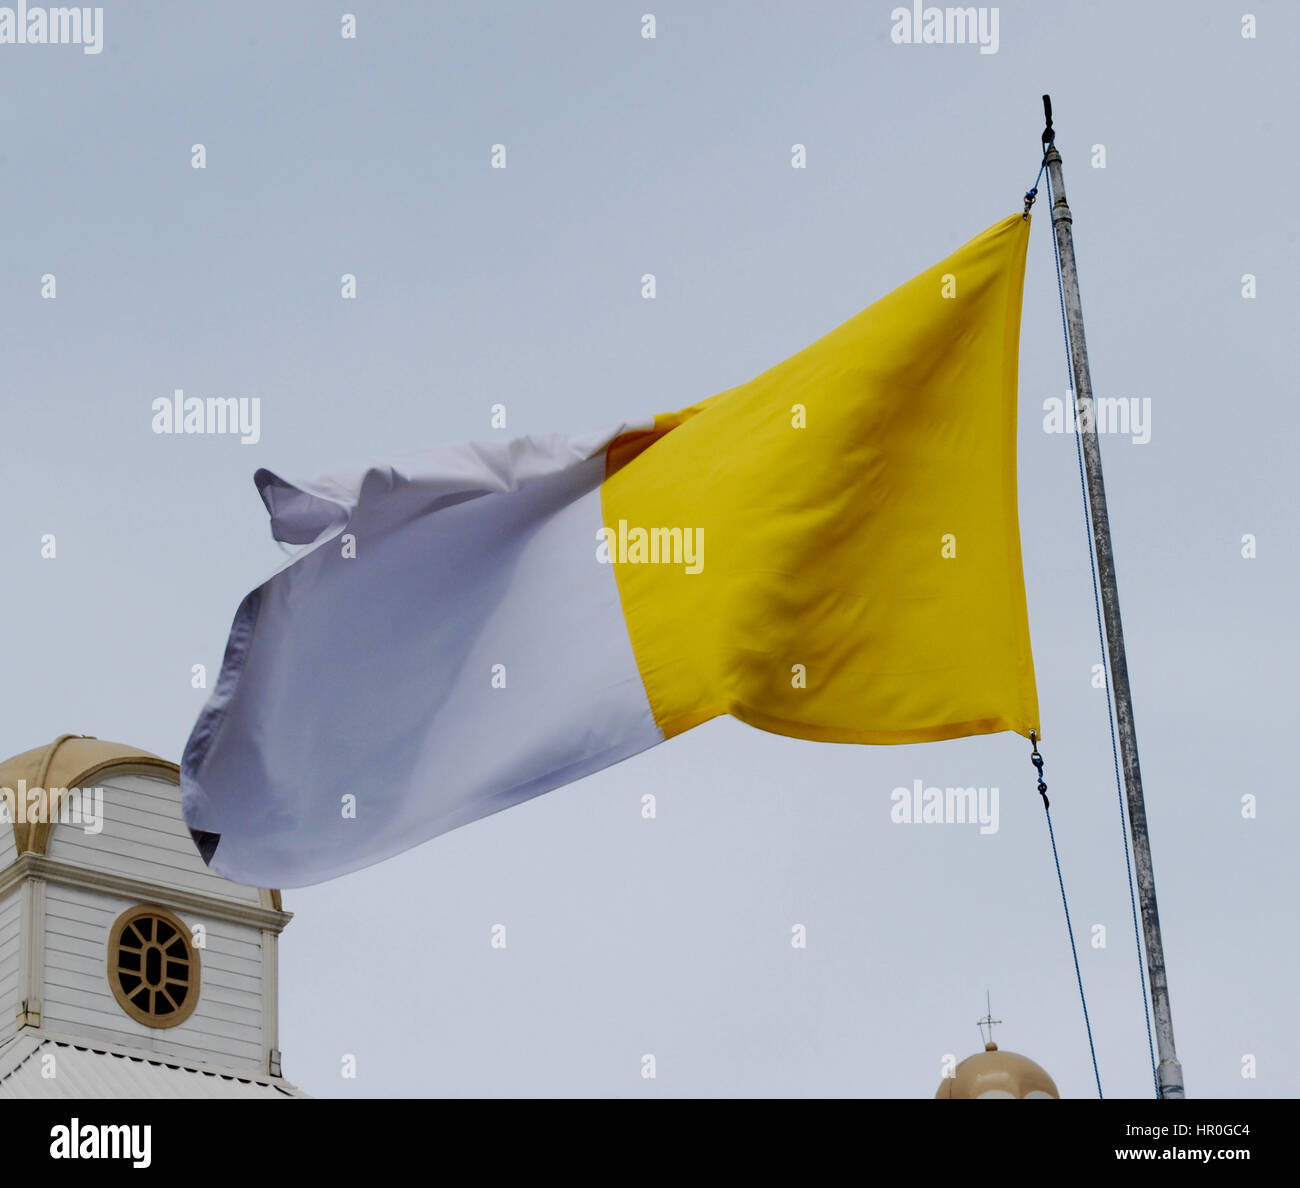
988,1020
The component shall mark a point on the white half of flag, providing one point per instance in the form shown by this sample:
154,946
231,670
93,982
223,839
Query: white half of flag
466,558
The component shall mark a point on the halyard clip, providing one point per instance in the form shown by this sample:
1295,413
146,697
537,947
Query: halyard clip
1037,760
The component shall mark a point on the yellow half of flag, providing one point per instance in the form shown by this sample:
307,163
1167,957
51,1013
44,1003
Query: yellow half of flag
858,576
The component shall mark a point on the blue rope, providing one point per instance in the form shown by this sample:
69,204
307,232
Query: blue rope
1101,637
1074,952
1032,192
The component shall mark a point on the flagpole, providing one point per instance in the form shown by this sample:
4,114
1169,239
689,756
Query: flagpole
1169,1073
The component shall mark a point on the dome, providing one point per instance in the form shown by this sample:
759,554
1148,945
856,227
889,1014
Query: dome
995,1073
68,762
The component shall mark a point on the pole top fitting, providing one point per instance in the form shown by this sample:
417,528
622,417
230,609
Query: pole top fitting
1049,133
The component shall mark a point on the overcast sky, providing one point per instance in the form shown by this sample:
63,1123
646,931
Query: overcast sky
522,286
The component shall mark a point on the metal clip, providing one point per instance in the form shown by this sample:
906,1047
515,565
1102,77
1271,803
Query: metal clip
1037,760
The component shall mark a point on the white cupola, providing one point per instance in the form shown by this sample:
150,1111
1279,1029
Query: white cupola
127,968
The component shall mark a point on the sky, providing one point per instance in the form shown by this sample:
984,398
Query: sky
371,156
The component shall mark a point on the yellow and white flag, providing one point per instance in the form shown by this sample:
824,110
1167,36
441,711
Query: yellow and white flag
830,551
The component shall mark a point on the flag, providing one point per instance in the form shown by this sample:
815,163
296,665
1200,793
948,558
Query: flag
830,551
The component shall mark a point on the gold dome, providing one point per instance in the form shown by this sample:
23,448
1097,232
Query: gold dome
68,762
994,1073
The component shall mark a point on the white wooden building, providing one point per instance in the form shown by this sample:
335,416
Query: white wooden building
127,968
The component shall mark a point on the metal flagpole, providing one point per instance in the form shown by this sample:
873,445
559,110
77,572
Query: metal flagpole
1169,1073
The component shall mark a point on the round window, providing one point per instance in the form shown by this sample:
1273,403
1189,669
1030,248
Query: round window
153,966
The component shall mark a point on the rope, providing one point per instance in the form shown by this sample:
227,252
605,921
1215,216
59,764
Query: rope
1101,637
1032,192
1037,760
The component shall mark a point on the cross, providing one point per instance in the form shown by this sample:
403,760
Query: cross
988,1020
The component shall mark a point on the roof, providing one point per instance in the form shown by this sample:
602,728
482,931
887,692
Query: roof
97,1070
67,762
995,1072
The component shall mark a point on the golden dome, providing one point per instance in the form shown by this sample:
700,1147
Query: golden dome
68,762
994,1073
